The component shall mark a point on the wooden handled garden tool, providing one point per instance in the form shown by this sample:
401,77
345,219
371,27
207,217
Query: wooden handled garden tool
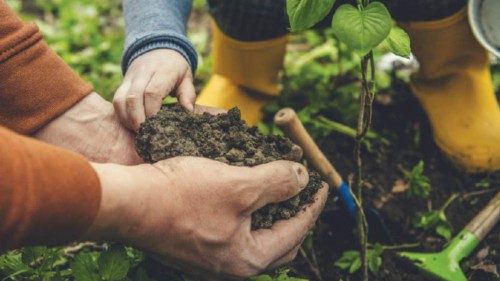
286,119
445,265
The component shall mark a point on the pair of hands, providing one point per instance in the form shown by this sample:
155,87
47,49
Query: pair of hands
191,212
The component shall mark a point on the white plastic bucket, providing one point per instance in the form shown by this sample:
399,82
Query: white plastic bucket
484,19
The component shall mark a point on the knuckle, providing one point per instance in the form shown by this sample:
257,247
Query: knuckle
118,100
152,93
289,179
131,101
247,198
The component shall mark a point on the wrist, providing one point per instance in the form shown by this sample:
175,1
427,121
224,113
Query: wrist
92,129
116,190
127,194
145,45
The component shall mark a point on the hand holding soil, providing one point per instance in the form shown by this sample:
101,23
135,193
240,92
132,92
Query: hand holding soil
149,79
196,213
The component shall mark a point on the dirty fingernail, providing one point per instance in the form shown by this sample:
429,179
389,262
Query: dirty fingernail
302,174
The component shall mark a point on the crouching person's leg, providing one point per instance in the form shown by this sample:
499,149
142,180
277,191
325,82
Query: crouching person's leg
248,47
453,84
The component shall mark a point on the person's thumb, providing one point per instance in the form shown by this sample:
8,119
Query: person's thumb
278,181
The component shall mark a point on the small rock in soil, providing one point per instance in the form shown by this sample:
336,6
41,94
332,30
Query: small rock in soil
225,138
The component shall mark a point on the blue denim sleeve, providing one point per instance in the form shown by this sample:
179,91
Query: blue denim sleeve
156,24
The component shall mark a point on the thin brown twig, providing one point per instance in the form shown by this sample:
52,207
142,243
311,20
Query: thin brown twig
476,193
361,131
401,246
312,267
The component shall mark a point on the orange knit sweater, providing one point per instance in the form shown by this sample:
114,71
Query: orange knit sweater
47,195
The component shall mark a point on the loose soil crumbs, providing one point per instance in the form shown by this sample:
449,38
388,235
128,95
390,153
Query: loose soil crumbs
225,138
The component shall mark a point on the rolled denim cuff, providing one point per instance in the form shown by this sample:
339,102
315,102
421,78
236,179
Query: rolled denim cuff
151,43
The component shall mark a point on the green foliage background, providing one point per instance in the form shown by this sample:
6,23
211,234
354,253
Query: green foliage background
88,35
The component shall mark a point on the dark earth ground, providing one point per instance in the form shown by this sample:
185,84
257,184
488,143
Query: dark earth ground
398,117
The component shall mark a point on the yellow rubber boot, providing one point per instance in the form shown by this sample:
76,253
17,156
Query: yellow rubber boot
244,74
454,87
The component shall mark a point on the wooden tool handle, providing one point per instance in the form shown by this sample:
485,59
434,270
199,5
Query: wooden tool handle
286,119
483,222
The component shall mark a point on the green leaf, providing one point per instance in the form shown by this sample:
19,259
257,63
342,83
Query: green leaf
362,29
303,14
356,264
31,255
84,268
114,263
398,42
343,264
281,275
444,231
419,184
374,263
263,277
428,220
347,259
11,264
40,258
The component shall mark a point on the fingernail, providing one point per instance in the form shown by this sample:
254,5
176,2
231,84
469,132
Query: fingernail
302,174
297,152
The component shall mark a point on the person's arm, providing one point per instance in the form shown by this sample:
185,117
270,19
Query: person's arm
158,59
35,84
47,195
41,96
156,24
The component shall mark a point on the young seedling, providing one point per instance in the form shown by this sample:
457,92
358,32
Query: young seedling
351,260
436,220
418,184
362,28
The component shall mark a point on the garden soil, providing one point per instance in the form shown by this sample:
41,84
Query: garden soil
225,138
399,118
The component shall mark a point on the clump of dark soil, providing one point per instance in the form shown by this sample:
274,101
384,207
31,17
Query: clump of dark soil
225,138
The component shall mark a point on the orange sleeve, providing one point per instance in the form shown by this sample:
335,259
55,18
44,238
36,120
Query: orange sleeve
47,195
36,86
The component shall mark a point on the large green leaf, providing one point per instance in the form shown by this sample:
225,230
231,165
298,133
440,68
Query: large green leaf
362,29
303,14
84,268
398,42
114,264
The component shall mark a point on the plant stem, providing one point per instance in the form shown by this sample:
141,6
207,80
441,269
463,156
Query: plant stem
363,126
361,130
312,267
399,247
449,201
480,192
